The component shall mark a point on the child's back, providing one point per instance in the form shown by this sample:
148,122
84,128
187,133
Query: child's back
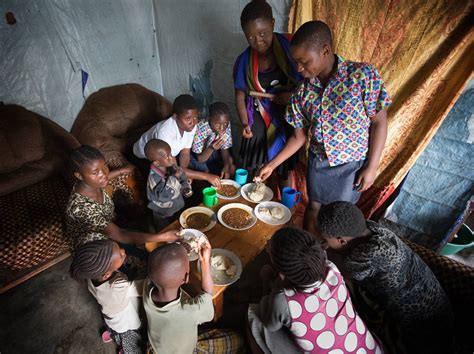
391,276
98,262
173,316
314,305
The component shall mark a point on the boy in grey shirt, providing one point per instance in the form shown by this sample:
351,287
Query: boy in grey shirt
166,185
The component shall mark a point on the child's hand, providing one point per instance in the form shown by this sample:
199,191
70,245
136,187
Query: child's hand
281,98
218,143
263,174
228,171
247,132
205,251
187,192
178,171
214,180
129,168
365,178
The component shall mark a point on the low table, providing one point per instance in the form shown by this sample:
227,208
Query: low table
246,244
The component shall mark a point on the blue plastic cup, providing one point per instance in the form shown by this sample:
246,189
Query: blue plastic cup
290,197
241,176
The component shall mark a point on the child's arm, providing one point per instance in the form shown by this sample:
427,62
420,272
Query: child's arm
242,111
207,152
294,143
204,257
273,311
377,138
159,192
229,168
186,189
184,157
121,171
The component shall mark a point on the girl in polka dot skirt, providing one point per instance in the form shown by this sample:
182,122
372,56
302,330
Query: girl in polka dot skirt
312,311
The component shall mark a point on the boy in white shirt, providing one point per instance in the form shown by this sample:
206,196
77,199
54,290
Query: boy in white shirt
178,131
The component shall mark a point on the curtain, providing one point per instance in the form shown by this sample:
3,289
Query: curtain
424,52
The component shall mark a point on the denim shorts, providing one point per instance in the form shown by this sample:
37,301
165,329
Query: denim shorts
328,184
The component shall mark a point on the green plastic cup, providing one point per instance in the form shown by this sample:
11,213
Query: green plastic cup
209,196
463,239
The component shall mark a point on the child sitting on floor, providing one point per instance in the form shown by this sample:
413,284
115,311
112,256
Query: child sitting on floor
312,311
98,262
173,315
166,185
212,143
393,277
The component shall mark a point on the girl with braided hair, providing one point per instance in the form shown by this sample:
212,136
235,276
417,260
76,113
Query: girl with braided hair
98,262
311,310
90,211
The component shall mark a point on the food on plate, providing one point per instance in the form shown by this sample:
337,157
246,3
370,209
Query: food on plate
198,221
227,190
265,212
277,213
190,241
191,245
236,218
257,192
223,263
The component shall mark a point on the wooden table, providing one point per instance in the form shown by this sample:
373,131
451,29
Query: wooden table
246,244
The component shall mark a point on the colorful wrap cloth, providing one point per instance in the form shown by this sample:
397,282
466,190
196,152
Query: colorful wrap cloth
246,79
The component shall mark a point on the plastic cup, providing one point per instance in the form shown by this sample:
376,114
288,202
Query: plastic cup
209,196
241,176
290,197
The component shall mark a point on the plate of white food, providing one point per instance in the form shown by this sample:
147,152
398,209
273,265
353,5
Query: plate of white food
226,267
256,192
272,213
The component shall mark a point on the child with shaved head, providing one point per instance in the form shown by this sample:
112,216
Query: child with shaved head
166,185
99,262
173,315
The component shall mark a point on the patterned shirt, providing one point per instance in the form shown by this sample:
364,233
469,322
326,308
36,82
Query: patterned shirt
205,136
338,115
86,219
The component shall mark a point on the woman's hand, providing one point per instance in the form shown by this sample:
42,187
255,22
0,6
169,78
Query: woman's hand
247,132
169,236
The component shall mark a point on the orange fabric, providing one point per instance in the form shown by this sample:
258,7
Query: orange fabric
424,52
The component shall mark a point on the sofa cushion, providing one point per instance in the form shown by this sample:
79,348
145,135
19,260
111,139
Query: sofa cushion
21,138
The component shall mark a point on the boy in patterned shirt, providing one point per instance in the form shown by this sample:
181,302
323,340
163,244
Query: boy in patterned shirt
210,151
342,106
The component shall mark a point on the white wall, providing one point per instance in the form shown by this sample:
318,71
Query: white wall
42,54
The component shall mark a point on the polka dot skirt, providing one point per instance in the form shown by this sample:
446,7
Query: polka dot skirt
324,320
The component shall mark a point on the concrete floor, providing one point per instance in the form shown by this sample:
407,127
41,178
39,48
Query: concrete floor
51,313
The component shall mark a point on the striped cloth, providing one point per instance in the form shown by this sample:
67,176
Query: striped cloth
216,341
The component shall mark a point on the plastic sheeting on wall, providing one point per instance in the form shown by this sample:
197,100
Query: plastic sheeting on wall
442,180
44,54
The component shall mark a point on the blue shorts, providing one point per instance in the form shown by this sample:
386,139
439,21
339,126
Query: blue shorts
328,184
213,165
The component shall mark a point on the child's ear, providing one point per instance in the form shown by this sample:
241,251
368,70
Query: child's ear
326,50
106,275
156,163
78,176
342,241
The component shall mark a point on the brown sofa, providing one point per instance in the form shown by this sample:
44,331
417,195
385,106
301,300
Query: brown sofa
112,119
34,189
